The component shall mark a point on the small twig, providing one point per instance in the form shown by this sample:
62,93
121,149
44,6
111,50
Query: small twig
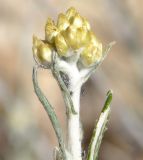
99,130
50,111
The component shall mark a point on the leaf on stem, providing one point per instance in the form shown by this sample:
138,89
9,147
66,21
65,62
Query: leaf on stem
99,130
50,111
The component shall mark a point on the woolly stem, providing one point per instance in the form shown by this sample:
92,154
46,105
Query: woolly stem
74,128
71,94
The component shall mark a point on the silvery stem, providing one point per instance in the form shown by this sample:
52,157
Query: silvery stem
74,128
71,95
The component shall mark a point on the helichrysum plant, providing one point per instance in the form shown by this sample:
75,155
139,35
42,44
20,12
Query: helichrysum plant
72,52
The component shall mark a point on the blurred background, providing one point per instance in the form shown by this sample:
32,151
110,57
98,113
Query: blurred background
25,130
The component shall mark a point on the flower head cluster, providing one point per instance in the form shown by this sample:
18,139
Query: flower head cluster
71,33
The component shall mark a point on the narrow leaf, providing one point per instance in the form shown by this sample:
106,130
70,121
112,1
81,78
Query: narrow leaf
50,111
99,130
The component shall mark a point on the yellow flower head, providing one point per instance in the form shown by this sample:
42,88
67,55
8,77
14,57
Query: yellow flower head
71,32
42,51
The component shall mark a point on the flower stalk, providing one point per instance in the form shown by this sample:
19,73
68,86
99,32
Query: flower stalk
74,129
72,52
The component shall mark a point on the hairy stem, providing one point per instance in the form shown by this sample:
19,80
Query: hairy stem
71,94
74,129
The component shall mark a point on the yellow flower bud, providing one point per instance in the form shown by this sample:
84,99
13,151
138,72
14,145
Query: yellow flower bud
50,22
86,23
70,13
36,41
86,55
81,36
76,21
90,55
50,31
92,39
61,45
70,37
75,38
62,22
42,52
